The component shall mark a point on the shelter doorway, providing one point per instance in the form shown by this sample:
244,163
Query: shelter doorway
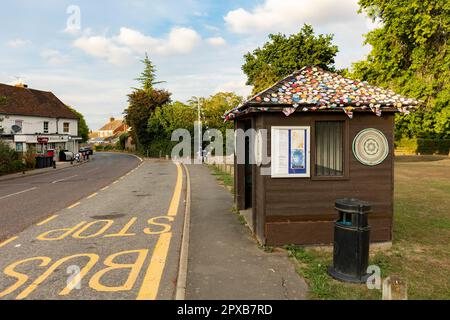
248,169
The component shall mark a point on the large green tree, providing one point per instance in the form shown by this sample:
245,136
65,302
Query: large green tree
83,128
214,107
282,55
410,54
142,102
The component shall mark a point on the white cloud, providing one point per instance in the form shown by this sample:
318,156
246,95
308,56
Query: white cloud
285,15
237,86
54,57
216,41
120,48
105,48
17,43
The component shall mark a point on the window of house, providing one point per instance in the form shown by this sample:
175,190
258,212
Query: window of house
19,147
45,127
329,149
66,127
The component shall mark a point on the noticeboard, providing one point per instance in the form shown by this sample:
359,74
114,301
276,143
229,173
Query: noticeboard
291,155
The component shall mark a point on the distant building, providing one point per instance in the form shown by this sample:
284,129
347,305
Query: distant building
109,133
36,119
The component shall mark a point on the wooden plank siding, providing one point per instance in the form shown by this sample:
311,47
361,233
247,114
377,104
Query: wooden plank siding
301,211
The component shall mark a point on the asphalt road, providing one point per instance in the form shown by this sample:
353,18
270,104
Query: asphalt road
28,200
122,242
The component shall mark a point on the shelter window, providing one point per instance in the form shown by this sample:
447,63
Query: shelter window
329,142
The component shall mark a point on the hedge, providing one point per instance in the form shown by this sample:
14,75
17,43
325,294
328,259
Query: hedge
424,146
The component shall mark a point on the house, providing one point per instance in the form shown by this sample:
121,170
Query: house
112,128
36,119
328,138
109,133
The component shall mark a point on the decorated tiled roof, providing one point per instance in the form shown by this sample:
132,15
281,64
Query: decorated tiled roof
314,89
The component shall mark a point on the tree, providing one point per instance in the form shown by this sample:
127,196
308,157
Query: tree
142,102
83,129
410,54
148,76
282,55
215,107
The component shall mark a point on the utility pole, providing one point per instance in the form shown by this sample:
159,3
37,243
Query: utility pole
200,136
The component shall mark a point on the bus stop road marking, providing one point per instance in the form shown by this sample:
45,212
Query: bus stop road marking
152,279
4,243
74,205
47,220
17,193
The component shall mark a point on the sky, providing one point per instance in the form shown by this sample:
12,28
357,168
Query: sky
88,52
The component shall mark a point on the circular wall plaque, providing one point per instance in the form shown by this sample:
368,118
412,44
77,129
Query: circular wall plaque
371,147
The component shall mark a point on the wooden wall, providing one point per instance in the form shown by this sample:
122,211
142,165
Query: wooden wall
301,211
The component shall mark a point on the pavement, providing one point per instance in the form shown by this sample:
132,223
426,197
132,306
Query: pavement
122,242
225,262
59,166
28,199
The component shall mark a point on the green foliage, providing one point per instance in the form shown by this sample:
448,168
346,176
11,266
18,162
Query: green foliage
214,107
83,129
410,54
424,146
29,158
142,103
122,140
283,55
7,156
164,121
148,76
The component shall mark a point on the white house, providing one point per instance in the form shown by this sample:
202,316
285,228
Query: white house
36,119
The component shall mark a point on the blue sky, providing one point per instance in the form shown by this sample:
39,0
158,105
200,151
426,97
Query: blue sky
197,45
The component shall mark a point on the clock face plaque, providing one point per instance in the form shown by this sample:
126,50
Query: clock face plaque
371,147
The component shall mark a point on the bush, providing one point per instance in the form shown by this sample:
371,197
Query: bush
7,156
424,146
29,159
17,166
99,148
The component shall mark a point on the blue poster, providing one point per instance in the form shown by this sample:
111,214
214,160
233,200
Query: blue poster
298,151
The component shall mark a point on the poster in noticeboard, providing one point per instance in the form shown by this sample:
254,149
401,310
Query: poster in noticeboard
291,154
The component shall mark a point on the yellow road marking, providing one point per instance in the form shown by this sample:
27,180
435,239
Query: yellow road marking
105,188
74,205
4,243
150,285
93,195
115,182
173,209
47,220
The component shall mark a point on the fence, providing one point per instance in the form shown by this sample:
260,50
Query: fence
225,164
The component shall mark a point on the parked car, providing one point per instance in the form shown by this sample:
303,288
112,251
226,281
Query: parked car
89,150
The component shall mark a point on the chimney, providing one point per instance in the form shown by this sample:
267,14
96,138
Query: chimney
112,119
21,85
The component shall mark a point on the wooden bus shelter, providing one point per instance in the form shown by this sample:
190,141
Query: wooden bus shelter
329,137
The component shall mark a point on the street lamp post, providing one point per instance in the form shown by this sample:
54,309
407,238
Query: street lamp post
200,131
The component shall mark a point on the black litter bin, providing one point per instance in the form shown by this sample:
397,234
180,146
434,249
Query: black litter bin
351,241
40,162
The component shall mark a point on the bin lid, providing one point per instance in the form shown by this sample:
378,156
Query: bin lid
351,205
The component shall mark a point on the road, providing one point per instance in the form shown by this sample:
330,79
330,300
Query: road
28,200
121,242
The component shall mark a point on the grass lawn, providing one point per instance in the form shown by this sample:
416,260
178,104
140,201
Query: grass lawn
421,250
